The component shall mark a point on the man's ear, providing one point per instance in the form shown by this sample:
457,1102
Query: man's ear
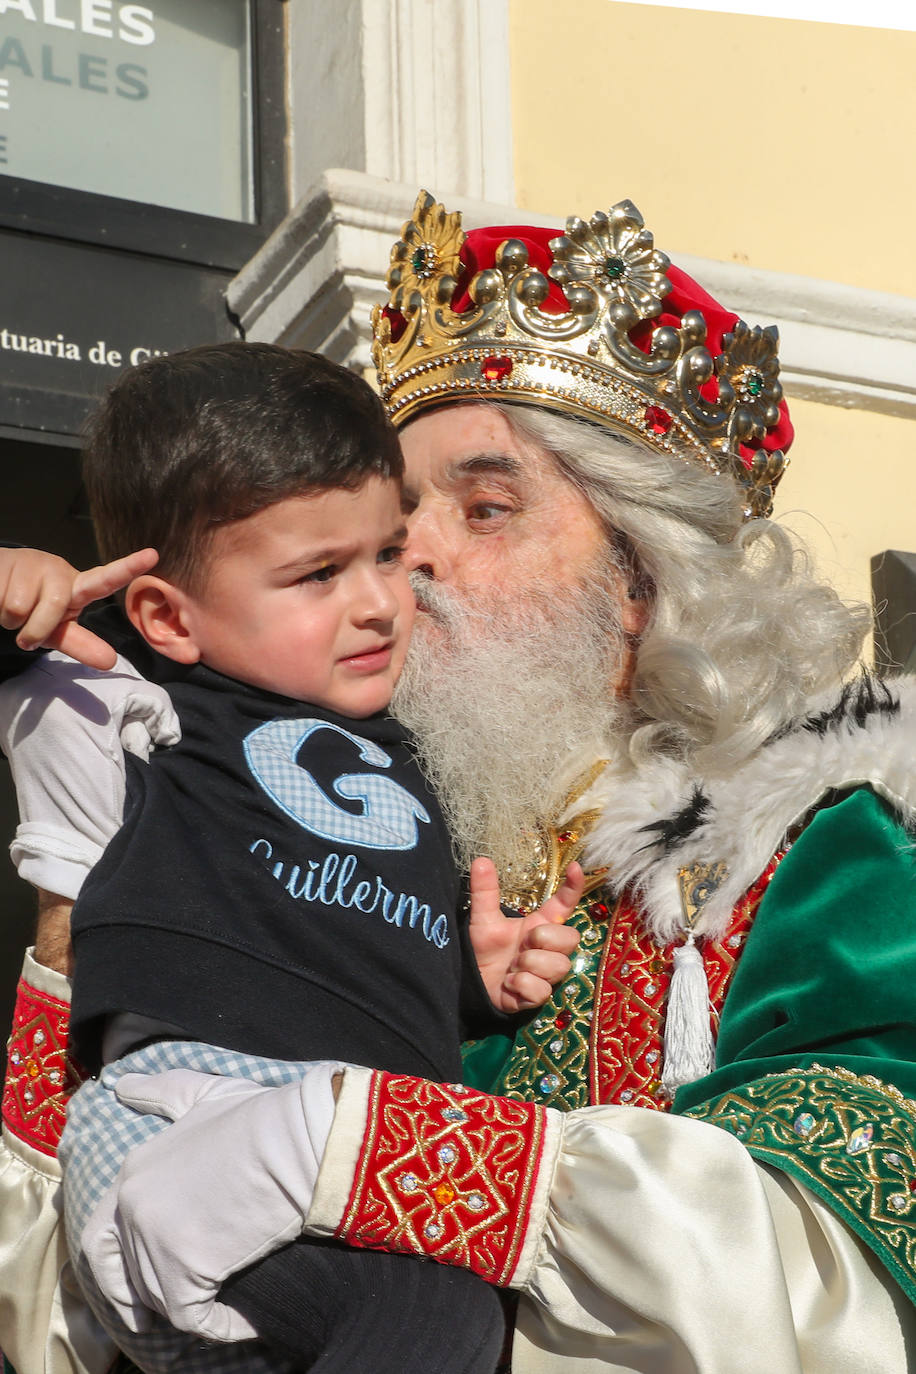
634,610
159,610
633,593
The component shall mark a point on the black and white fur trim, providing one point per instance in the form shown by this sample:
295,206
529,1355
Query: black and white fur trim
660,818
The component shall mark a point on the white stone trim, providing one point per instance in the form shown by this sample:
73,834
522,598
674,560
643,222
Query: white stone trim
313,283
437,94
315,280
839,344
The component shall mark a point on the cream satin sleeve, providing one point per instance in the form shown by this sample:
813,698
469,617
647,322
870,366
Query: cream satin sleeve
45,1326
666,1247
643,1242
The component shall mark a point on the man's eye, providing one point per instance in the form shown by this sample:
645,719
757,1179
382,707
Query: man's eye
392,554
486,512
321,574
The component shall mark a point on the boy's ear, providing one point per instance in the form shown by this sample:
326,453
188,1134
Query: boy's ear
159,610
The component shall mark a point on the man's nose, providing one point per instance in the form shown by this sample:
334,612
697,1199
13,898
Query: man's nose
427,548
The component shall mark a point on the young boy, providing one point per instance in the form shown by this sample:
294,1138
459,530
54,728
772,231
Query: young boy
282,886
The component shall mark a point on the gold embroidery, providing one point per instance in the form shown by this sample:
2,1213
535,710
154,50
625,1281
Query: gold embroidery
549,1061
446,1172
632,993
850,1138
599,1037
40,1075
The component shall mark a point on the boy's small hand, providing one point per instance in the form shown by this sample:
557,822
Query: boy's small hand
41,596
521,958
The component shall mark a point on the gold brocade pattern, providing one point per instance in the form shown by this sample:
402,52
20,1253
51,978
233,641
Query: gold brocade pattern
40,1075
632,993
599,1038
549,1061
445,1172
849,1138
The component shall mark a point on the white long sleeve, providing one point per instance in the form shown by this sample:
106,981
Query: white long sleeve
665,1235
64,728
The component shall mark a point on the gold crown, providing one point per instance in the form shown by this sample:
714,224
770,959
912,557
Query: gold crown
582,361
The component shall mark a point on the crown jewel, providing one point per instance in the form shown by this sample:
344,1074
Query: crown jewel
596,336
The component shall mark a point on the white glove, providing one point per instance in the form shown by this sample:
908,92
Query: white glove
64,728
229,1182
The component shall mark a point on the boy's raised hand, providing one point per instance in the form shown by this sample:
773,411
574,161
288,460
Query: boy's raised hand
41,596
521,958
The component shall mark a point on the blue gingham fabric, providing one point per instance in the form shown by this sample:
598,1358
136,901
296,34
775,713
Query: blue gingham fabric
388,819
99,1133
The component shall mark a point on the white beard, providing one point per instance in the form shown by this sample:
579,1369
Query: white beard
509,702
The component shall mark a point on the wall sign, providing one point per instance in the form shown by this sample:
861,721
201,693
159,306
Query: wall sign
72,317
150,103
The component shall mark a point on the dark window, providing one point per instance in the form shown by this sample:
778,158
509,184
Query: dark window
184,160
142,163
94,281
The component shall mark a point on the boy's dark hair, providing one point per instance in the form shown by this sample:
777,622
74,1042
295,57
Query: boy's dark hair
185,443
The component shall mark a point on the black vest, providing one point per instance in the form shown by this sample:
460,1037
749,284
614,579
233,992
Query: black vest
283,885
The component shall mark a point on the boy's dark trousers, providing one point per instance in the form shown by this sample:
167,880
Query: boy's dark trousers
342,1311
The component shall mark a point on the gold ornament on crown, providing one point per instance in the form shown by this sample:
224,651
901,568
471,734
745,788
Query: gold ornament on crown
582,362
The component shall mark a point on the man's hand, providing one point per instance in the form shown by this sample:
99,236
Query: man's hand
41,596
521,958
228,1182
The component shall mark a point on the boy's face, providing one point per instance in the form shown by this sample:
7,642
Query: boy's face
309,598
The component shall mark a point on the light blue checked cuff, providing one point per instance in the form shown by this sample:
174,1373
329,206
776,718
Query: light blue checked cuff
99,1133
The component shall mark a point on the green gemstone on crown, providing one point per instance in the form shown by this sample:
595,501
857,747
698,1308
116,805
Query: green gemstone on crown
423,260
754,382
614,267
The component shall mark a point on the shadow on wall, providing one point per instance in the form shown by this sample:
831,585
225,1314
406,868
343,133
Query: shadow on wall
43,505
893,581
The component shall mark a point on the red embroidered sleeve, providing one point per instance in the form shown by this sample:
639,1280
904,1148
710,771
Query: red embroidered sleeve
40,1076
446,1172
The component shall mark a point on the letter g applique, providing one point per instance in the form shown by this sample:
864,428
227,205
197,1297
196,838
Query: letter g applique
390,813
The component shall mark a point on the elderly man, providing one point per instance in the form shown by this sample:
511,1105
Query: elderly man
620,657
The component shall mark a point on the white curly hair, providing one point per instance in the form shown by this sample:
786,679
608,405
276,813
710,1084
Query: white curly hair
740,634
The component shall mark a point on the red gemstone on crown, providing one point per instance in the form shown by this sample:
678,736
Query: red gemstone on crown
599,911
658,420
496,368
562,1019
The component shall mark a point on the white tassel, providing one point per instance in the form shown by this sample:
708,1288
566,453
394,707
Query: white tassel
689,1047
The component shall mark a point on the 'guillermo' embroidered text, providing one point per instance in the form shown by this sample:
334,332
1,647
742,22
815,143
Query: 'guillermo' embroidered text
336,882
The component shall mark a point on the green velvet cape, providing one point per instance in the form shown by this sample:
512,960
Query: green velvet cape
816,1055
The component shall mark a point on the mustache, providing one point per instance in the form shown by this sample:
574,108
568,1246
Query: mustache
499,759
439,601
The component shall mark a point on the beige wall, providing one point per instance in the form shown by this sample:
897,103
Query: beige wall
774,143
850,489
